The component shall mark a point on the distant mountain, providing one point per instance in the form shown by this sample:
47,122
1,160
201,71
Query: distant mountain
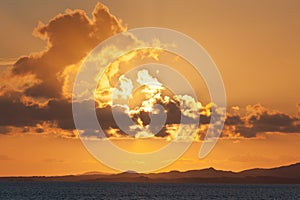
281,175
94,173
291,171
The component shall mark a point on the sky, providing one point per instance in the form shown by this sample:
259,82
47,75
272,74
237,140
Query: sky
255,45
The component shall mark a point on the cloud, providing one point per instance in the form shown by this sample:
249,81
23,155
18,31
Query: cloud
58,114
70,37
298,106
32,90
6,62
233,120
16,113
4,129
259,119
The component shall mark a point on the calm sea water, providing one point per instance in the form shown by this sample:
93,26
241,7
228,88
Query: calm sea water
85,190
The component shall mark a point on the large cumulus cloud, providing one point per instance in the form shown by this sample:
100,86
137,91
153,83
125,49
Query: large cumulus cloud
70,37
31,90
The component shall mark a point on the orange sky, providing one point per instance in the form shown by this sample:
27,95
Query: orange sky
255,45
49,155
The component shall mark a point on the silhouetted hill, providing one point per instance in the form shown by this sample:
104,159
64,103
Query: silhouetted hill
281,175
203,173
291,171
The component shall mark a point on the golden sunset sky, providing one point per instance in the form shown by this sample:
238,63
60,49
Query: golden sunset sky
255,45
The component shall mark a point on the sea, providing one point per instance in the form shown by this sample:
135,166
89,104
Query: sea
132,191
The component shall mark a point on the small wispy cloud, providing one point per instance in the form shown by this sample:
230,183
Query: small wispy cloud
6,62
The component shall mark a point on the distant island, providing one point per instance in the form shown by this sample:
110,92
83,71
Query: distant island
279,175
